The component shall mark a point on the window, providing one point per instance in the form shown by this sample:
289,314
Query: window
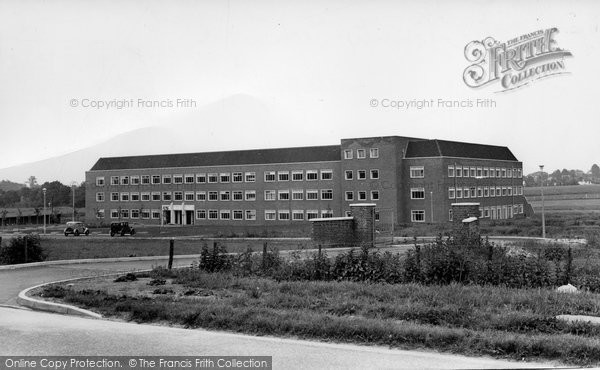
479,172
124,180
284,195
270,215
310,214
213,196
156,195
312,195
238,214
178,179
374,174
510,191
361,154
114,213
200,196
135,213
283,176
450,171
348,174
270,195
99,181
145,197
509,173
473,192
459,171
114,197
269,176
251,214
465,171
166,179
374,153
498,172
486,212
212,178
201,214
114,180
498,191
135,197
297,194
417,215
486,172
100,213
479,191
225,214
362,174
349,195
100,197
189,196
377,216
225,196
362,195
312,175
124,197
327,213
124,213
450,215
492,172
520,188
326,175
504,191
473,172
417,172
250,195
201,178
237,177
458,193
178,195
250,176
155,179
466,193
238,195
284,215
374,194
135,180
492,191
451,193
520,173
145,214
347,153
298,215
189,179
155,214
213,214
417,193
486,191
297,175
503,171
327,194
225,177
145,180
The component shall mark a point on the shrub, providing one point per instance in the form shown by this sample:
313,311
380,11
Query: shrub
125,278
14,252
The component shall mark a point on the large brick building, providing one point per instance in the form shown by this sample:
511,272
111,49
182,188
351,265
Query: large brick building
410,180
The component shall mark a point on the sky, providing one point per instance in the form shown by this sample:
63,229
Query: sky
332,69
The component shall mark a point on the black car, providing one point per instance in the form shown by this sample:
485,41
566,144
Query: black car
121,228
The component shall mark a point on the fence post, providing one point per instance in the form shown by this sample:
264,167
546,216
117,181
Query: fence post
264,256
171,251
25,242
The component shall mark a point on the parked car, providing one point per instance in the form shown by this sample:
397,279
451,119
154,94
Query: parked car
76,228
121,228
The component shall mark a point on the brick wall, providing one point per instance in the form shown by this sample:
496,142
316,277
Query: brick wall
357,230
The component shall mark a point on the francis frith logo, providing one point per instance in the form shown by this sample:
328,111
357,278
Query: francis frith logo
516,62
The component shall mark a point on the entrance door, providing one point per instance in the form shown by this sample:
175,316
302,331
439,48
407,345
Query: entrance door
166,217
189,217
178,217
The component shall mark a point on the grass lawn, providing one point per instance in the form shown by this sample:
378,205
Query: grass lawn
471,320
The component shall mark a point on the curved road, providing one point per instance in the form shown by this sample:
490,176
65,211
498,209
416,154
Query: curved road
26,332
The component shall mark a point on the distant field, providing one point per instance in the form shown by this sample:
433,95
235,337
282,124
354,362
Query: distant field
565,198
562,190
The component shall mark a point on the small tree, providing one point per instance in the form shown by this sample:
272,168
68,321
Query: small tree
14,251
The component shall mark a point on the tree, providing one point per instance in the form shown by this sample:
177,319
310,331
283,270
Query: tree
595,171
32,182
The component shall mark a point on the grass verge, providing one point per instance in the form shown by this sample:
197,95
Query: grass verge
471,320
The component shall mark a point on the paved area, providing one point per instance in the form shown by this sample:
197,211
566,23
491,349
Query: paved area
37,333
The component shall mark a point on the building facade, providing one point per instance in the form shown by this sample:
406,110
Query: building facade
410,180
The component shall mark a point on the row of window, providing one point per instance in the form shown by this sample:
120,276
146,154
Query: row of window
493,212
361,195
484,192
484,172
361,174
361,153
223,214
201,196
223,177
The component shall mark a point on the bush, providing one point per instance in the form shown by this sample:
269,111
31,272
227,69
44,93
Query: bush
14,252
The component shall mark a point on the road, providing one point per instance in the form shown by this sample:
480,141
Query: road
25,332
